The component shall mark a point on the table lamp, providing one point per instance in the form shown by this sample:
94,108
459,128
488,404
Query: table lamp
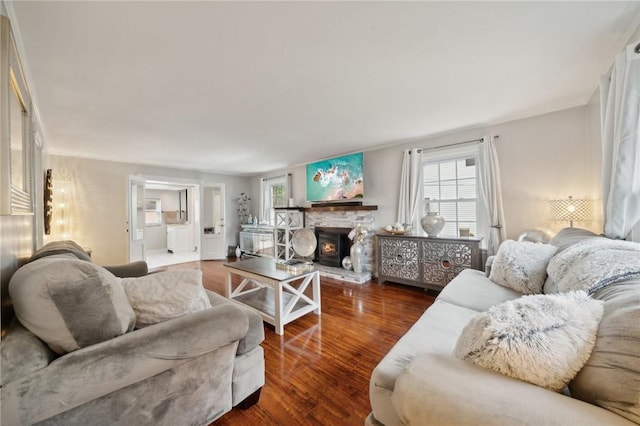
571,209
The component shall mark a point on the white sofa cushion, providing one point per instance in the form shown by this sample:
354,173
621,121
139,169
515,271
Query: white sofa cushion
70,303
440,390
521,265
165,295
542,339
473,290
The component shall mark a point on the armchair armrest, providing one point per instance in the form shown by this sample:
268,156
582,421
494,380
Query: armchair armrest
98,370
255,335
438,389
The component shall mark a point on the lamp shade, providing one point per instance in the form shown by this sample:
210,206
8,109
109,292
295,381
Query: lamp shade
571,209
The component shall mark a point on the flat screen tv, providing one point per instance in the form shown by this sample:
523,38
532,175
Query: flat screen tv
336,179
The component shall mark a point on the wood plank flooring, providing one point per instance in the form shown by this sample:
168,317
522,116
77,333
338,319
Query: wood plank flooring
318,372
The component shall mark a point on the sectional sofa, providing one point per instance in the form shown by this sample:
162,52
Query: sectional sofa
427,379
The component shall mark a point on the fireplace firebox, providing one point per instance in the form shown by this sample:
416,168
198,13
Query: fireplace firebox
333,245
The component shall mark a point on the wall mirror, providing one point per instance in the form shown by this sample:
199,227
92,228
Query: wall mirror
16,130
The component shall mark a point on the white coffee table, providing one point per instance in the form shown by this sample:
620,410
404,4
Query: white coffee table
277,296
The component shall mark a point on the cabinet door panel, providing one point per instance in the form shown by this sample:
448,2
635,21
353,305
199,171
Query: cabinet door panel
399,258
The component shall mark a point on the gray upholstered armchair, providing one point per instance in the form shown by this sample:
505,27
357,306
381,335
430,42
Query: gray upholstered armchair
187,370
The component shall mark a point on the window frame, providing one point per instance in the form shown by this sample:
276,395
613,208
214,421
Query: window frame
448,154
266,200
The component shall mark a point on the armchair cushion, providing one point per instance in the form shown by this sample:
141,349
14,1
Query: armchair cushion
165,295
70,303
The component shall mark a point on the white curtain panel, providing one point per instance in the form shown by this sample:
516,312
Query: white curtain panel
491,194
620,116
411,191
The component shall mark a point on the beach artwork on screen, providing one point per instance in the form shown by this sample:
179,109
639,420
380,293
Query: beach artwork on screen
336,179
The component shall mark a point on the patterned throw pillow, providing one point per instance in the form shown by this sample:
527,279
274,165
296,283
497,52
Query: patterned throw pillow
165,295
521,265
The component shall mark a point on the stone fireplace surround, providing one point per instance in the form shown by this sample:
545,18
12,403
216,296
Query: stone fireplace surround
345,217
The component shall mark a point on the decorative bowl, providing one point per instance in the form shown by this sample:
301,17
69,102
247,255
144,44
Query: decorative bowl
397,231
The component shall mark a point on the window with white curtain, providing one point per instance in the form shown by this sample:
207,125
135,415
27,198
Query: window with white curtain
275,194
451,189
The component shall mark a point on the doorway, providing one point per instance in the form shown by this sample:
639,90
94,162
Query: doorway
164,221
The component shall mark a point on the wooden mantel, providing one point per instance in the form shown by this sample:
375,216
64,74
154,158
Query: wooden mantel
337,208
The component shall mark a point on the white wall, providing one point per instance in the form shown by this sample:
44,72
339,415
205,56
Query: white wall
98,201
544,157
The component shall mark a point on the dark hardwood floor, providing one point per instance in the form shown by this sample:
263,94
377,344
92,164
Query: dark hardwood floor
318,372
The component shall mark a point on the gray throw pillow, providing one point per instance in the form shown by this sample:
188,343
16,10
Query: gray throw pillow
70,303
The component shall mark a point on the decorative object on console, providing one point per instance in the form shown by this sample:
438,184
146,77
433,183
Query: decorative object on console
398,229
514,338
432,224
570,210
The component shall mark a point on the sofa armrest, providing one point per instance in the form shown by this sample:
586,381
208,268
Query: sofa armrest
129,270
437,389
97,370
22,352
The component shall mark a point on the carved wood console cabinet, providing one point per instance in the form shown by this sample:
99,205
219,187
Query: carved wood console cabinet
426,262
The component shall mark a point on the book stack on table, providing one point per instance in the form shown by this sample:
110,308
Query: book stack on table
294,266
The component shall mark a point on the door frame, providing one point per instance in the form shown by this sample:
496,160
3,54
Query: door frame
223,253
195,215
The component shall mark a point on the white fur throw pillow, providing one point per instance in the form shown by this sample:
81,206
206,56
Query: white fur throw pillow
540,339
521,265
165,295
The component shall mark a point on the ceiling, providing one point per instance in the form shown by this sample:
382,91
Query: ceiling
249,87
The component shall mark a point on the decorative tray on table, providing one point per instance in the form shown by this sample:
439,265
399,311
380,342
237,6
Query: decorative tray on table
397,230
